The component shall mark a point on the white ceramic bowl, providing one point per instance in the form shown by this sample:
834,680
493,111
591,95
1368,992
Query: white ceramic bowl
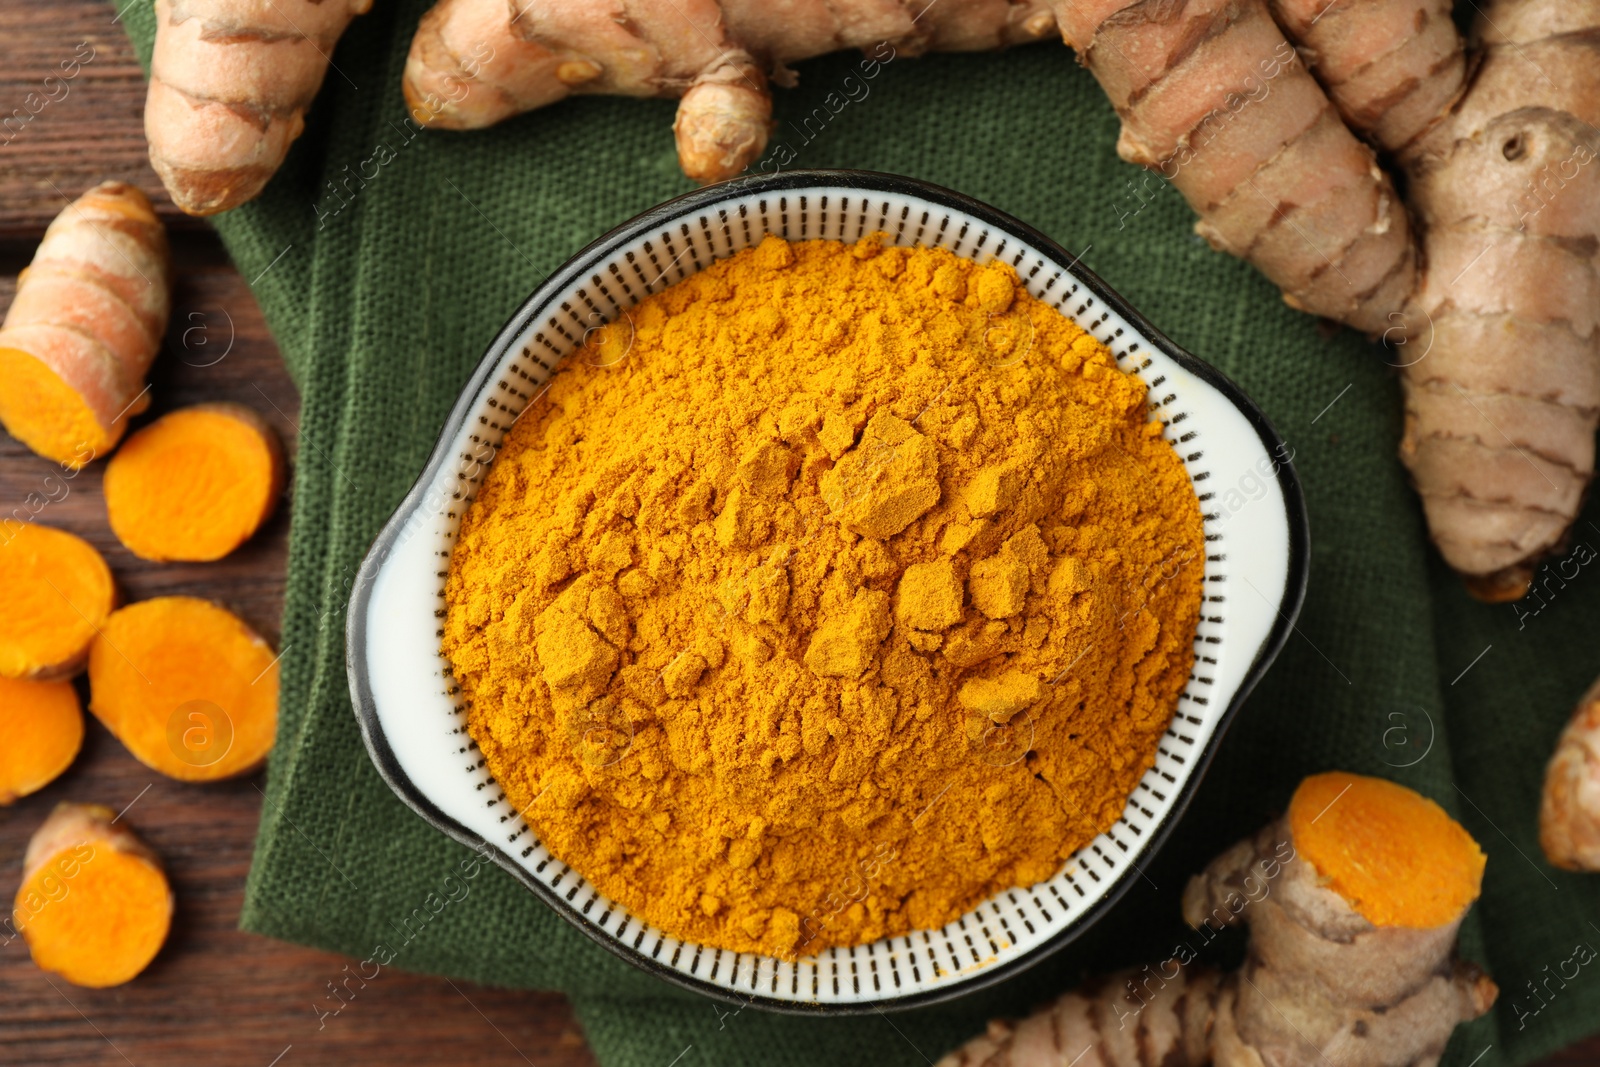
1255,572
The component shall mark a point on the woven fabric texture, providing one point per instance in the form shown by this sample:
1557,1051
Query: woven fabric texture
386,259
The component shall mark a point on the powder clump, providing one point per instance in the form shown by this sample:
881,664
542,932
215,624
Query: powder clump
825,594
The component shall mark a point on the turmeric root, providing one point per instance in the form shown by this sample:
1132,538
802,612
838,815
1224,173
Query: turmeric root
1501,415
1214,98
1569,810
1353,900
230,82
476,62
94,904
1502,377
1289,187
187,687
1492,279
86,322
1503,388
195,484
43,729
58,593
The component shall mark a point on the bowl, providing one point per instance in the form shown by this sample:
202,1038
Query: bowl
1255,526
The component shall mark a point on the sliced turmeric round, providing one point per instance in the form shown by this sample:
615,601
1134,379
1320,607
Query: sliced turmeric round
94,904
188,687
195,484
56,592
1393,854
42,727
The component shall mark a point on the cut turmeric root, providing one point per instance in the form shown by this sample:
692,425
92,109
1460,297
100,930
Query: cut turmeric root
42,725
58,591
187,687
94,904
86,322
1353,902
196,484
1394,856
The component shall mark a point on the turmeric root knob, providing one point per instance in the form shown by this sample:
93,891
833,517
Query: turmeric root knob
187,687
1322,982
1392,854
1214,98
58,592
43,729
94,904
723,122
86,322
195,484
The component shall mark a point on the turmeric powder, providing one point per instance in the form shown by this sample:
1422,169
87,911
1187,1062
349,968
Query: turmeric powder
825,594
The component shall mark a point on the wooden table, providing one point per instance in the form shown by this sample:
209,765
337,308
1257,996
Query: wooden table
214,995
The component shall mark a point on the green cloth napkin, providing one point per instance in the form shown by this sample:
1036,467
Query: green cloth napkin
385,260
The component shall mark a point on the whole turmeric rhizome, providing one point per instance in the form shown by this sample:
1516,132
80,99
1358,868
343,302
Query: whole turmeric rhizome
825,594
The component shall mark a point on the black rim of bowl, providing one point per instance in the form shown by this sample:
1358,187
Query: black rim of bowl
582,264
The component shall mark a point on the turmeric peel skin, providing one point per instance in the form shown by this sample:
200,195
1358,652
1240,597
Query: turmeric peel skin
829,592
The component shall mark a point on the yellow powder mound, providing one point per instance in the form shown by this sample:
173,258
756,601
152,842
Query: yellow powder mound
828,593
1395,855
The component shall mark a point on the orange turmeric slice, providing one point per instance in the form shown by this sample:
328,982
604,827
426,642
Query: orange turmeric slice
94,904
195,484
58,591
42,725
188,687
1394,855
